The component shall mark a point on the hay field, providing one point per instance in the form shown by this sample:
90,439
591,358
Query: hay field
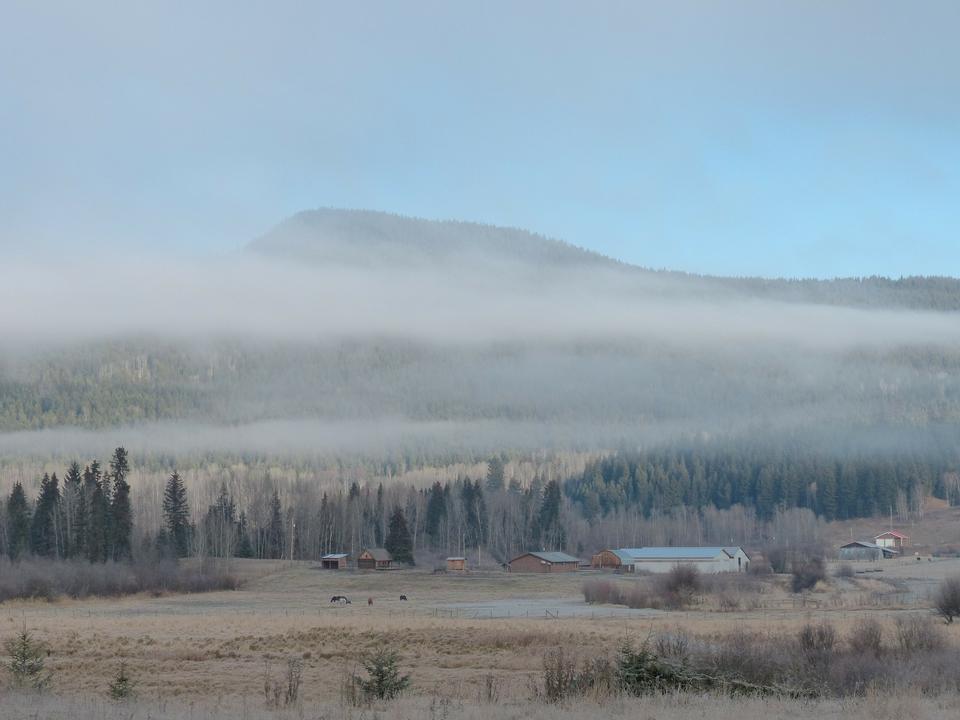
213,650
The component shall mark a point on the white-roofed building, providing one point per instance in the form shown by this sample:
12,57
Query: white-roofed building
663,559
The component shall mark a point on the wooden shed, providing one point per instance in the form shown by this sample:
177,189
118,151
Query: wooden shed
456,564
334,561
544,562
375,559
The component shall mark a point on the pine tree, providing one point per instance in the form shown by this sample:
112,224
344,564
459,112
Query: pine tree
399,544
97,511
548,521
495,474
436,512
176,515
47,527
74,510
121,520
275,537
18,523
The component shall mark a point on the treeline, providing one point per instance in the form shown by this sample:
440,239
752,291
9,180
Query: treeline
763,477
89,516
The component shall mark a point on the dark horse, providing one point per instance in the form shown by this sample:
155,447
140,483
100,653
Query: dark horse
403,597
342,599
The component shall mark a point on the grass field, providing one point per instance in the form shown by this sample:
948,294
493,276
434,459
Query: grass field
213,650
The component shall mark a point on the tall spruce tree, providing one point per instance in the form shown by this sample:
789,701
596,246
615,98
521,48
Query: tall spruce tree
74,510
18,523
275,538
46,531
399,543
176,515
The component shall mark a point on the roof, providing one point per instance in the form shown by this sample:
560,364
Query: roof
677,553
379,554
456,558
334,556
893,533
862,543
550,557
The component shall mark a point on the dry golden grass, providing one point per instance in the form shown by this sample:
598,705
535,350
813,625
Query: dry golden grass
197,648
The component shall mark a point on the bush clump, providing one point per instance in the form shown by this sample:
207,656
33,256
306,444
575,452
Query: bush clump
947,600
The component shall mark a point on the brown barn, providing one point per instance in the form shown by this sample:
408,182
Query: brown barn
334,561
892,539
375,559
456,564
544,562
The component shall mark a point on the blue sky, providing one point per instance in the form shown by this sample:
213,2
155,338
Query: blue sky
772,138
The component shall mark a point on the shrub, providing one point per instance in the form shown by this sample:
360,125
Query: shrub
807,573
779,559
845,571
26,663
918,634
947,600
817,639
122,687
866,638
383,681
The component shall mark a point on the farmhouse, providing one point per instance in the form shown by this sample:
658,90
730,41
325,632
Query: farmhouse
456,564
544,562
375,559
864,550
891,539
334,561
663,559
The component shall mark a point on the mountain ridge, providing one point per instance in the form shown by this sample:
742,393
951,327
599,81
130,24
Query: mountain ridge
370,238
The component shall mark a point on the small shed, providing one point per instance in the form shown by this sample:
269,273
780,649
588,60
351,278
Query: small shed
859,550
334,561
375,559
544,562
456,564
893,539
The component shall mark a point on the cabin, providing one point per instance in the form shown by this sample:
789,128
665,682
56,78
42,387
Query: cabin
375,559
707,560
334,561
456,564
864,550
544,562
892,539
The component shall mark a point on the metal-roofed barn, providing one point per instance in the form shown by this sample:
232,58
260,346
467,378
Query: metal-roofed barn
544,562
860,550
663,559
456,564
334,561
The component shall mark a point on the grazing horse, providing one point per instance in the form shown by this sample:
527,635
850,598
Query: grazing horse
342,599
403,597
369,601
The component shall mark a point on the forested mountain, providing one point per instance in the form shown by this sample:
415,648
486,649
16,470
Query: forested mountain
353,331
371,239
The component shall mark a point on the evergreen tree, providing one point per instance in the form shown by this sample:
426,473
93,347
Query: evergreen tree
121,519
548,521
47,527
176,515
495,474
97,512
219,525
74,511
18,523
399,544
436,512
275,537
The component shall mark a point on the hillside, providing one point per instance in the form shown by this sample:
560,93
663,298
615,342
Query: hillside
377,239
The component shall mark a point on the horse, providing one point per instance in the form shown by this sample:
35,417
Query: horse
403,598
342,599
369,601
